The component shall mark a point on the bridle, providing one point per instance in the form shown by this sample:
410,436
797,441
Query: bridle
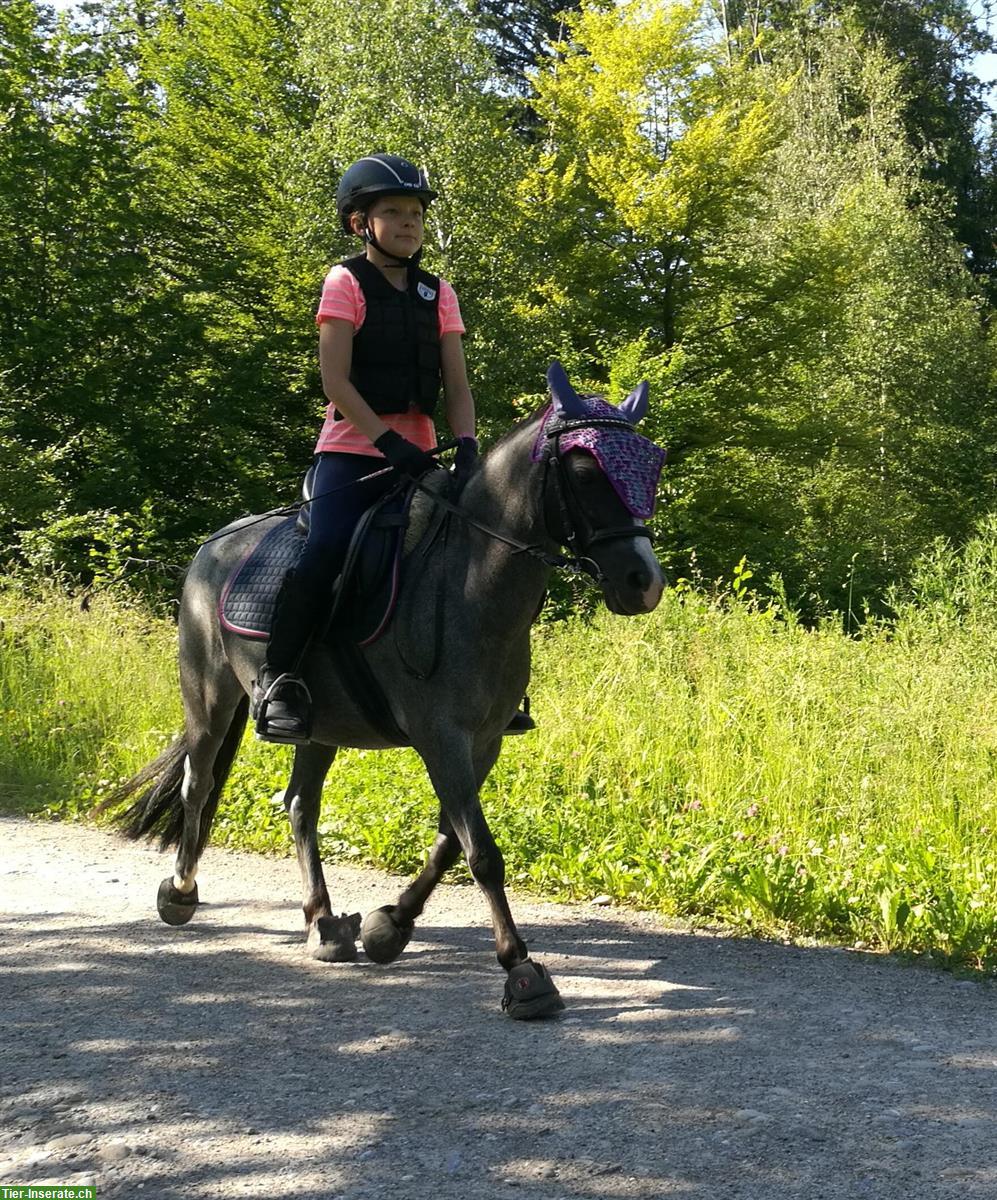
571,534
579,562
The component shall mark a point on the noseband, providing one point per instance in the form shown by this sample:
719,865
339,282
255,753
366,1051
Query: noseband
558,477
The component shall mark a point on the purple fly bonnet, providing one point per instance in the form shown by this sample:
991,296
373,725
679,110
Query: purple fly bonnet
631,463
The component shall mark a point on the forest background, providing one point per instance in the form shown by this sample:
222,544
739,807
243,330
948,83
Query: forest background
782,214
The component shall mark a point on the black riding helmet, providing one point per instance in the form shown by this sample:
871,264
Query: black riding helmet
380,175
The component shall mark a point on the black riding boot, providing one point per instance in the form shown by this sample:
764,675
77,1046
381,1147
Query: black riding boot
281,700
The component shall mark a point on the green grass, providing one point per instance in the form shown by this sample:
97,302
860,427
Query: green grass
713,759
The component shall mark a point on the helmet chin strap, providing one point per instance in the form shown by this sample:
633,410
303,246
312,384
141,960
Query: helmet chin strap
368,236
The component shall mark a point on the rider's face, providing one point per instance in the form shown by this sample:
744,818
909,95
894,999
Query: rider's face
397,223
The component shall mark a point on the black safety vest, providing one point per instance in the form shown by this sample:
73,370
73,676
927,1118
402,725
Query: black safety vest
396,351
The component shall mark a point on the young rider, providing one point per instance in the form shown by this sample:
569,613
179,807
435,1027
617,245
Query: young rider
389,337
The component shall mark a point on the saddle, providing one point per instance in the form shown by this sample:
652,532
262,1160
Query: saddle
365,595
364,598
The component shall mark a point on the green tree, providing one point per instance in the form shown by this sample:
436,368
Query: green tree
932,46
74,266
520,34
414,78
652,149
218,114
829,405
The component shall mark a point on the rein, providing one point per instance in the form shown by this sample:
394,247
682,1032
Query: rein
577,563
561,561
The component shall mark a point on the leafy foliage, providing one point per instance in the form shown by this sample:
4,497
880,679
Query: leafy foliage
752,205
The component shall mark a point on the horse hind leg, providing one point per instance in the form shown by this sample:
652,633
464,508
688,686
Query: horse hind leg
386,931
210,753
330,938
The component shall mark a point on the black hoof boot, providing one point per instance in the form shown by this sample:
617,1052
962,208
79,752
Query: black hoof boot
174,906
522,722
384,938
530,993
282,709
334,939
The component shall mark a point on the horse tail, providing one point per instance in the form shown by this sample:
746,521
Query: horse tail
159,810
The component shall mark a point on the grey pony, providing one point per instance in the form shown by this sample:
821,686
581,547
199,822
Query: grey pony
454,720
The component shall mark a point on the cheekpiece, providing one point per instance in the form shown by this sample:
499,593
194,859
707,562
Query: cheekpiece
631,462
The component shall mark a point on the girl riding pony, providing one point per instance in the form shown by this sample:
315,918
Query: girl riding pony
389,341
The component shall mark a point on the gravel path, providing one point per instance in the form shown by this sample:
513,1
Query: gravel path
217,1061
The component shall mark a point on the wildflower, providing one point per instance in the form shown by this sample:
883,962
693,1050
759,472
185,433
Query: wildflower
752,810
782,851
694,805
740,835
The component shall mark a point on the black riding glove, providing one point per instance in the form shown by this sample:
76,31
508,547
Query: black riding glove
465,460
404,455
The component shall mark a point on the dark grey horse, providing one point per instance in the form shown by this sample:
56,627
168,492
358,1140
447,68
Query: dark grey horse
455,719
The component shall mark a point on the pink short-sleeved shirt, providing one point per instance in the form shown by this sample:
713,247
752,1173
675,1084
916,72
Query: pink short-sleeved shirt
343,299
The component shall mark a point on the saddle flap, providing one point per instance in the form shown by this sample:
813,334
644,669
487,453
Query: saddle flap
366,592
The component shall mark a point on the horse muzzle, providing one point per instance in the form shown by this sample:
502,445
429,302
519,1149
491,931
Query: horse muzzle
632,579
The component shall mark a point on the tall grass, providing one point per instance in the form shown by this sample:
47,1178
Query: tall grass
715,758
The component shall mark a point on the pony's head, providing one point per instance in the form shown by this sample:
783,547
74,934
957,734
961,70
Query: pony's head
602,481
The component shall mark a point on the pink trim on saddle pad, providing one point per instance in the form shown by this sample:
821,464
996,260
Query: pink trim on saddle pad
222,619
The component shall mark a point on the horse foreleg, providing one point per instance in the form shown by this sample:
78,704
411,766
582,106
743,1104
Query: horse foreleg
330,939
456,777
387,930
529,990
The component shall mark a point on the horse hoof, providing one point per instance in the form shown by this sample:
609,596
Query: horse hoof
175,907
334,939
530,993
383,937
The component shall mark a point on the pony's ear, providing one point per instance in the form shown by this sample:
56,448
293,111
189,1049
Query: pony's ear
635,405
566,400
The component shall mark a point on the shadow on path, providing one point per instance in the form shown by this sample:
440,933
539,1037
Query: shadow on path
217,1060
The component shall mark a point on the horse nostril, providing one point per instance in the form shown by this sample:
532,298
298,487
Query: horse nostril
639,579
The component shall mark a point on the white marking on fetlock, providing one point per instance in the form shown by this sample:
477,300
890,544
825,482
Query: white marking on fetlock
185,885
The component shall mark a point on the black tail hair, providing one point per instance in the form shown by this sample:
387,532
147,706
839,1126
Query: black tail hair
159,810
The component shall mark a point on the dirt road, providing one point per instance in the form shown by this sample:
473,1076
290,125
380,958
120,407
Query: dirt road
217,1061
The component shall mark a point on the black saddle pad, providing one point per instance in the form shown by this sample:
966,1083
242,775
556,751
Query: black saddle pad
372,572
247,602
